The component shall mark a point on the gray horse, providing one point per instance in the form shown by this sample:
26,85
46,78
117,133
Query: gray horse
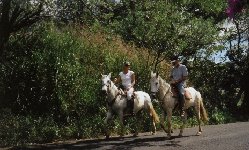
168,102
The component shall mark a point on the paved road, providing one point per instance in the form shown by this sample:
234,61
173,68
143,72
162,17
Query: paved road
233,136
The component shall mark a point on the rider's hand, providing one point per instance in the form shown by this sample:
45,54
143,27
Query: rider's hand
115,80
129,88
178,81
173,82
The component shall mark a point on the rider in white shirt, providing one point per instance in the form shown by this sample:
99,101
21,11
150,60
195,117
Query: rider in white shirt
127,78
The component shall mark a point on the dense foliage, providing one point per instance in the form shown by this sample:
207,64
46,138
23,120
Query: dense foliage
50,83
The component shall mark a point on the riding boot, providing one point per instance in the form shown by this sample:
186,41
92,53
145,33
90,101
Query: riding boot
130,105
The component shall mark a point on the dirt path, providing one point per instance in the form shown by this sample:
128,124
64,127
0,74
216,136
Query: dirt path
233,136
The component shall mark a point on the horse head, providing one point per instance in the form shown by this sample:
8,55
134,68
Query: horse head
157,84
106,83
154,84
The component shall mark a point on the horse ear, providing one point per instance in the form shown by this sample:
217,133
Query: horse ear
101,75
110,75
157,74
151,73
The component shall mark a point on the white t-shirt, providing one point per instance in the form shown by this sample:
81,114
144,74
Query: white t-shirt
126,78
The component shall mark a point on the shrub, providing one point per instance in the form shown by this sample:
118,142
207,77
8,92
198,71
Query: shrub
51,79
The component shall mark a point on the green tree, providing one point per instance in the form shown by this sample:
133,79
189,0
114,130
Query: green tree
237,54
168,28
226,82
17,14
77,11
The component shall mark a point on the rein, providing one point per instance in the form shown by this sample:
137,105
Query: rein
113,100
157,93
110,103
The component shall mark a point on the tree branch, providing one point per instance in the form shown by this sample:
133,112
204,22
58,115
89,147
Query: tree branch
5,11
238,33
28,19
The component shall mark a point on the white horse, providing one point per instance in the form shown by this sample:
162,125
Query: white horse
117,103
168,102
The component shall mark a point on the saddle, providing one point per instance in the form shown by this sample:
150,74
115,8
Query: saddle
175,92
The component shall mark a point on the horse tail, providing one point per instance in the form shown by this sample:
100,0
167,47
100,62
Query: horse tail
204,115
155,117
153,113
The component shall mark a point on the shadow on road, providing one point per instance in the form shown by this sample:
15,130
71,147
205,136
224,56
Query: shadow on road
111,144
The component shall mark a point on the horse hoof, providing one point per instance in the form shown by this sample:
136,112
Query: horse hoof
107,137
121,136
153,133
169,131
198,133
135,134
168,136
180,135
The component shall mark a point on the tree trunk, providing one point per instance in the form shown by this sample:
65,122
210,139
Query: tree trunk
13,21
4,37
4,24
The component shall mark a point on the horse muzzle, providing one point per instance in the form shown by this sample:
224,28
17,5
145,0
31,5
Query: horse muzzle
103,92
153,95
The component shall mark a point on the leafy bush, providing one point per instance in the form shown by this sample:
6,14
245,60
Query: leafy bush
51,81
16,129
221,117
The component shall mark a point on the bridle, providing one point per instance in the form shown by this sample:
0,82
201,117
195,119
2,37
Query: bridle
156,93
110,86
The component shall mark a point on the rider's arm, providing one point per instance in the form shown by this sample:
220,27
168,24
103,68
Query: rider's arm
182,79
133,80
184,74
171,77
171,74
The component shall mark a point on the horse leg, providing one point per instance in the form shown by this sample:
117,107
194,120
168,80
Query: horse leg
108,118
184,121
169,116
121,119
138,123
163,117
162,122
198,116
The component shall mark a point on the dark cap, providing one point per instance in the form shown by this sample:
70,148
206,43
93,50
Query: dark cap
127,63
174,58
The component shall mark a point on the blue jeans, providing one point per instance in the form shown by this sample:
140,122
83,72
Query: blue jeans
180,88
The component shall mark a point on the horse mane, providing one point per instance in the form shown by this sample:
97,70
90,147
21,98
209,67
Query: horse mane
114,87
163,83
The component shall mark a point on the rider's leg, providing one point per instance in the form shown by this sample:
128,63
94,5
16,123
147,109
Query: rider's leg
181,97
130,93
